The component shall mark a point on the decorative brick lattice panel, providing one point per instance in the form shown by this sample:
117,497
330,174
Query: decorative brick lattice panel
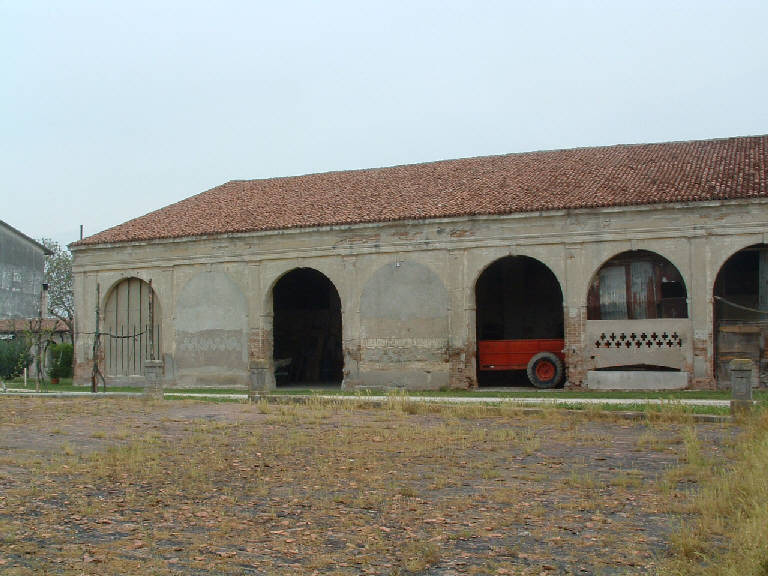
641,340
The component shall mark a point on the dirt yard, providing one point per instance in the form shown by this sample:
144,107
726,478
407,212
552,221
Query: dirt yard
121,486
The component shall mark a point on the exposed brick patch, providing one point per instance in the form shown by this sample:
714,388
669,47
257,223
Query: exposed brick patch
576,368
353,352
459,375
259,347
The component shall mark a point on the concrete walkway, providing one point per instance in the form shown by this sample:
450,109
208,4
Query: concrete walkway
380,399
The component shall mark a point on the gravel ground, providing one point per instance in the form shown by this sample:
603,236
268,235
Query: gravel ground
121,485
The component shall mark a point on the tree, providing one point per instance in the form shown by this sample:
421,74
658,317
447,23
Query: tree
14,357
40,336
58,275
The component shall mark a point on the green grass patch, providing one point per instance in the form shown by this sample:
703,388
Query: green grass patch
65,385
759,395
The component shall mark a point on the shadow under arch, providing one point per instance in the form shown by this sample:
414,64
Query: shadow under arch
636,285
131,332
740,315
519,307
306,329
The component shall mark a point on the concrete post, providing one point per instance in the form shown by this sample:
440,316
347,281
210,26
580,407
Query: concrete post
153,374
258,383
741,384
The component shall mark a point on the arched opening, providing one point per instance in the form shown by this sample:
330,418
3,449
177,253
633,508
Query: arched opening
307,329
637,285
741,313
637,334
131,332
519,306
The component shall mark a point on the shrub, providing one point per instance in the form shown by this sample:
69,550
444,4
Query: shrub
14,357
62,361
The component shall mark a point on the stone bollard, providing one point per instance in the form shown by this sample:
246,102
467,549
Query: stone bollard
257,382
153,374
741,385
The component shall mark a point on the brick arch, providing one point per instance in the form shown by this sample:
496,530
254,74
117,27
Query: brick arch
553,263
287,268
735,245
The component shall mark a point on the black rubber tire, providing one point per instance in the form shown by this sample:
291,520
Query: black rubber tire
538,359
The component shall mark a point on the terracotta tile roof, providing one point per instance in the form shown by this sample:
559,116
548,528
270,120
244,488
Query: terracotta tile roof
9,325
549,180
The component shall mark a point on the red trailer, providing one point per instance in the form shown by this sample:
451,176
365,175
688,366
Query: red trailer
542,359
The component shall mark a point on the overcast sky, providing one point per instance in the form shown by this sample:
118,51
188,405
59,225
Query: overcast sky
109,110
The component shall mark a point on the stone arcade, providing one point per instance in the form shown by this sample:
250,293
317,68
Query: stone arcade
647,258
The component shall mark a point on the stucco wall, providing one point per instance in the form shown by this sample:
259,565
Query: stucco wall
21,276
407,288
211,323
404,326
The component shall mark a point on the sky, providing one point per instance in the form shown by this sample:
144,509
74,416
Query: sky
110,110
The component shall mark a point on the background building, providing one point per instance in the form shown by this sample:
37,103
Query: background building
22,261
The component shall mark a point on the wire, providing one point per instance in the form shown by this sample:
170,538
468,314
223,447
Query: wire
739,306
113,335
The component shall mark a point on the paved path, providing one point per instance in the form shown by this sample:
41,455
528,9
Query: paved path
377,399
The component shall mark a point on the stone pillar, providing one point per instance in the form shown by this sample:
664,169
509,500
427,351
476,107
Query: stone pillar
575,327
351,379
258,383
349,293
574,285
153,374
741,385
261,376
459,322
700,311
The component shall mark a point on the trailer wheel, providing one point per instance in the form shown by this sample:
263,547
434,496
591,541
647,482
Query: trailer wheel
545,370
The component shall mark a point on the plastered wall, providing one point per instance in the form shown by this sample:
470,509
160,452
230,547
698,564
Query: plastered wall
21,275
406,288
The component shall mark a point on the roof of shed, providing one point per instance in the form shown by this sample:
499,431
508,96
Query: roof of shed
10,325
26,238
624,175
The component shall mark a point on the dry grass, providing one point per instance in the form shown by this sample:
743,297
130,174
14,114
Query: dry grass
128,487
728,532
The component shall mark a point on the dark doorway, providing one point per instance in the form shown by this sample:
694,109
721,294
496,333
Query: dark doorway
741,313
307,329
517,298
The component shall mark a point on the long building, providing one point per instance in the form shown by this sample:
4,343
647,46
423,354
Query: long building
632,265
